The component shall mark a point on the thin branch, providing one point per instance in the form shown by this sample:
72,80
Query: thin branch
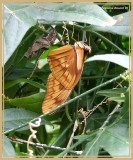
72,135
68,102
38,145
84,115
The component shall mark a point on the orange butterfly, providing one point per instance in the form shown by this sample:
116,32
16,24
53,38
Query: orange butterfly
66,65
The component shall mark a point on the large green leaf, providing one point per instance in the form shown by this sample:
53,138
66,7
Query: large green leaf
120,59
18,18
8,150
15,117
122,27
33,102
114,140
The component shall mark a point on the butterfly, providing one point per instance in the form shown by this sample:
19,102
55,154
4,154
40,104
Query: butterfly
66,65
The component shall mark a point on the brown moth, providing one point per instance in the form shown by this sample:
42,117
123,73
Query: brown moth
41,43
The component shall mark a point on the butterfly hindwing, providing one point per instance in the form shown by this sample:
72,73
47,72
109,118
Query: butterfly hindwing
56,94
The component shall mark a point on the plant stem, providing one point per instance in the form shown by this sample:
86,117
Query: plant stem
68,102
96,77
99,82
38,145
79,88
101,36
67,113
108,41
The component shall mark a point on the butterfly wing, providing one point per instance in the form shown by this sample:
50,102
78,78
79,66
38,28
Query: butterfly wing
56,94
63,63
66,64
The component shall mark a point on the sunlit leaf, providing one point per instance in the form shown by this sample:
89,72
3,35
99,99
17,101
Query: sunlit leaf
122,60
8,150
19,18
32,103
122,27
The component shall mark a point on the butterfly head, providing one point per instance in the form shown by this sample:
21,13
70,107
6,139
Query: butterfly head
81,44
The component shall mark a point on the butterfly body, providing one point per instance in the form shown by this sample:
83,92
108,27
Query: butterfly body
66,65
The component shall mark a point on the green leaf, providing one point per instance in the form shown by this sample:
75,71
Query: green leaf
91,149
81,140
9,84
19,18
114,140
125,109
8,150
32,103
117,99
45,53
15,117
116,94
122,60
122,27
18,73
12,26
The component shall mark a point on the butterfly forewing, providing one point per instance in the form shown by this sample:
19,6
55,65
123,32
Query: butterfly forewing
64,69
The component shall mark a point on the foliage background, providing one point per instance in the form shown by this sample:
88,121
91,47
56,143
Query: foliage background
23,97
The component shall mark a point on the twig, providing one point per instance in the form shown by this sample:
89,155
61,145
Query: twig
84,115
72,135
95,107
38,145
66,103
